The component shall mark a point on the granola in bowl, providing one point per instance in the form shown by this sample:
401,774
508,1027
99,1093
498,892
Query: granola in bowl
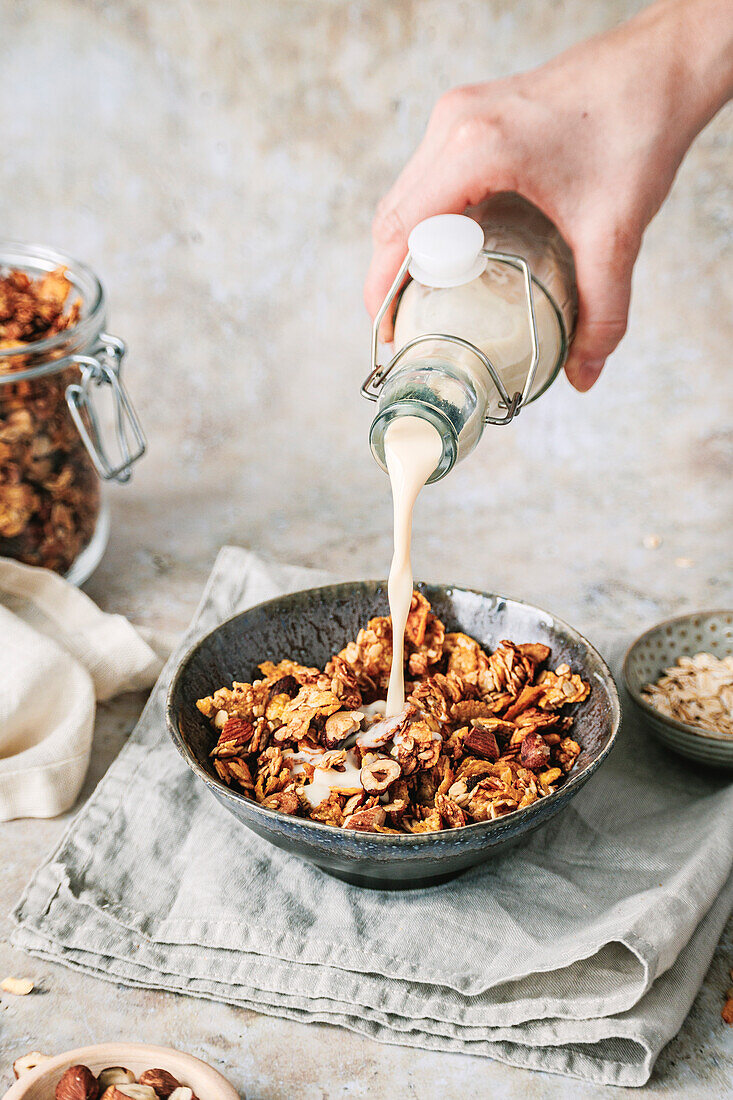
481,735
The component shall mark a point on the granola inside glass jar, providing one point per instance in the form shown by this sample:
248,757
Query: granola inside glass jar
54,355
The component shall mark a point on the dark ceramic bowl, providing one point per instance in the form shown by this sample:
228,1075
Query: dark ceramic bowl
309,627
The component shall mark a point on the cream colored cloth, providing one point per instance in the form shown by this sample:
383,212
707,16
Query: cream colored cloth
58,654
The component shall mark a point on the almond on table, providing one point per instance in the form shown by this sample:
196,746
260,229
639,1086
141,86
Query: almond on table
19,987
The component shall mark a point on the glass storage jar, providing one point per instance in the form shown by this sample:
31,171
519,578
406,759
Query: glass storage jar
52,454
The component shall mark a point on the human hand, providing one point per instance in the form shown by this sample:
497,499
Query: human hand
594,139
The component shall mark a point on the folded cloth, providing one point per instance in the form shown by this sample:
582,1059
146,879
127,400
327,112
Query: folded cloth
579,954
58,654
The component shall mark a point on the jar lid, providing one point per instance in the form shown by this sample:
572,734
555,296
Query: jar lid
445,250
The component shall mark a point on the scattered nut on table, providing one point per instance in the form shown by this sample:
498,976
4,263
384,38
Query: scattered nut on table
727,1010
19,987
29,1062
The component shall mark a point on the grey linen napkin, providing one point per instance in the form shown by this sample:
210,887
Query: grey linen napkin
580,954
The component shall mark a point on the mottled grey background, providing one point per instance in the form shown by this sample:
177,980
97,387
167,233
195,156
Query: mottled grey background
218,164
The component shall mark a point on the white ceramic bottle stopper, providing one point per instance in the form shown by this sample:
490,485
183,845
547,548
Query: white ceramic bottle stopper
445,250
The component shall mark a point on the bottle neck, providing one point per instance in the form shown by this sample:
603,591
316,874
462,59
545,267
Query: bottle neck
435,380
392,411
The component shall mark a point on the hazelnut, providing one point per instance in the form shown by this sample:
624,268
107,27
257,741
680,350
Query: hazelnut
29,1062
377,775
134,1092
78,1083
115,1075
120,1091
161,1080
338,726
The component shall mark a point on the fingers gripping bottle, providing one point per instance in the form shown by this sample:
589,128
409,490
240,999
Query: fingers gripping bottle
481,328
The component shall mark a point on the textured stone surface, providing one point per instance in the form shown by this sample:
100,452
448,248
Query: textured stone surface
218,164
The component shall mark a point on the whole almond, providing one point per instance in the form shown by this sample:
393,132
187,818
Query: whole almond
78,1083
535,752
365,820
161,1080
482,742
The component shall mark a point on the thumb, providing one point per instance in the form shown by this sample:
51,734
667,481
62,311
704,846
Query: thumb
603,268
433,182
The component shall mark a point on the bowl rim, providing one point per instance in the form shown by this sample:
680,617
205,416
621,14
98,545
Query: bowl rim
647,708
574,780
121,1050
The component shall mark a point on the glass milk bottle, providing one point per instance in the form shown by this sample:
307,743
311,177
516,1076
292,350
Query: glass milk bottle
481,328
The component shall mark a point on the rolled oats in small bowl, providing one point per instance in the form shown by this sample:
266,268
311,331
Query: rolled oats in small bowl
679,675
697,691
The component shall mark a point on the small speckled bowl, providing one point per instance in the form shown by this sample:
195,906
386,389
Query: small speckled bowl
657,650
207,1083
309,627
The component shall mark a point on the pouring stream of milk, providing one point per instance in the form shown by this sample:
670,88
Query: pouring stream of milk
412,448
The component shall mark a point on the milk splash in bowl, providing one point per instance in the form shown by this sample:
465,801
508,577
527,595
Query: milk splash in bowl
413,449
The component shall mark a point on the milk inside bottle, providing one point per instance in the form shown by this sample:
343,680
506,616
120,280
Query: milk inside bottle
481,329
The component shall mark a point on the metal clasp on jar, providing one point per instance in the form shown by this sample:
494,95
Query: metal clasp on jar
376,378
102,368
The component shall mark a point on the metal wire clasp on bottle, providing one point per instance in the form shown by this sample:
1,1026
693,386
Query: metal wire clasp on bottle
103,369
376,378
